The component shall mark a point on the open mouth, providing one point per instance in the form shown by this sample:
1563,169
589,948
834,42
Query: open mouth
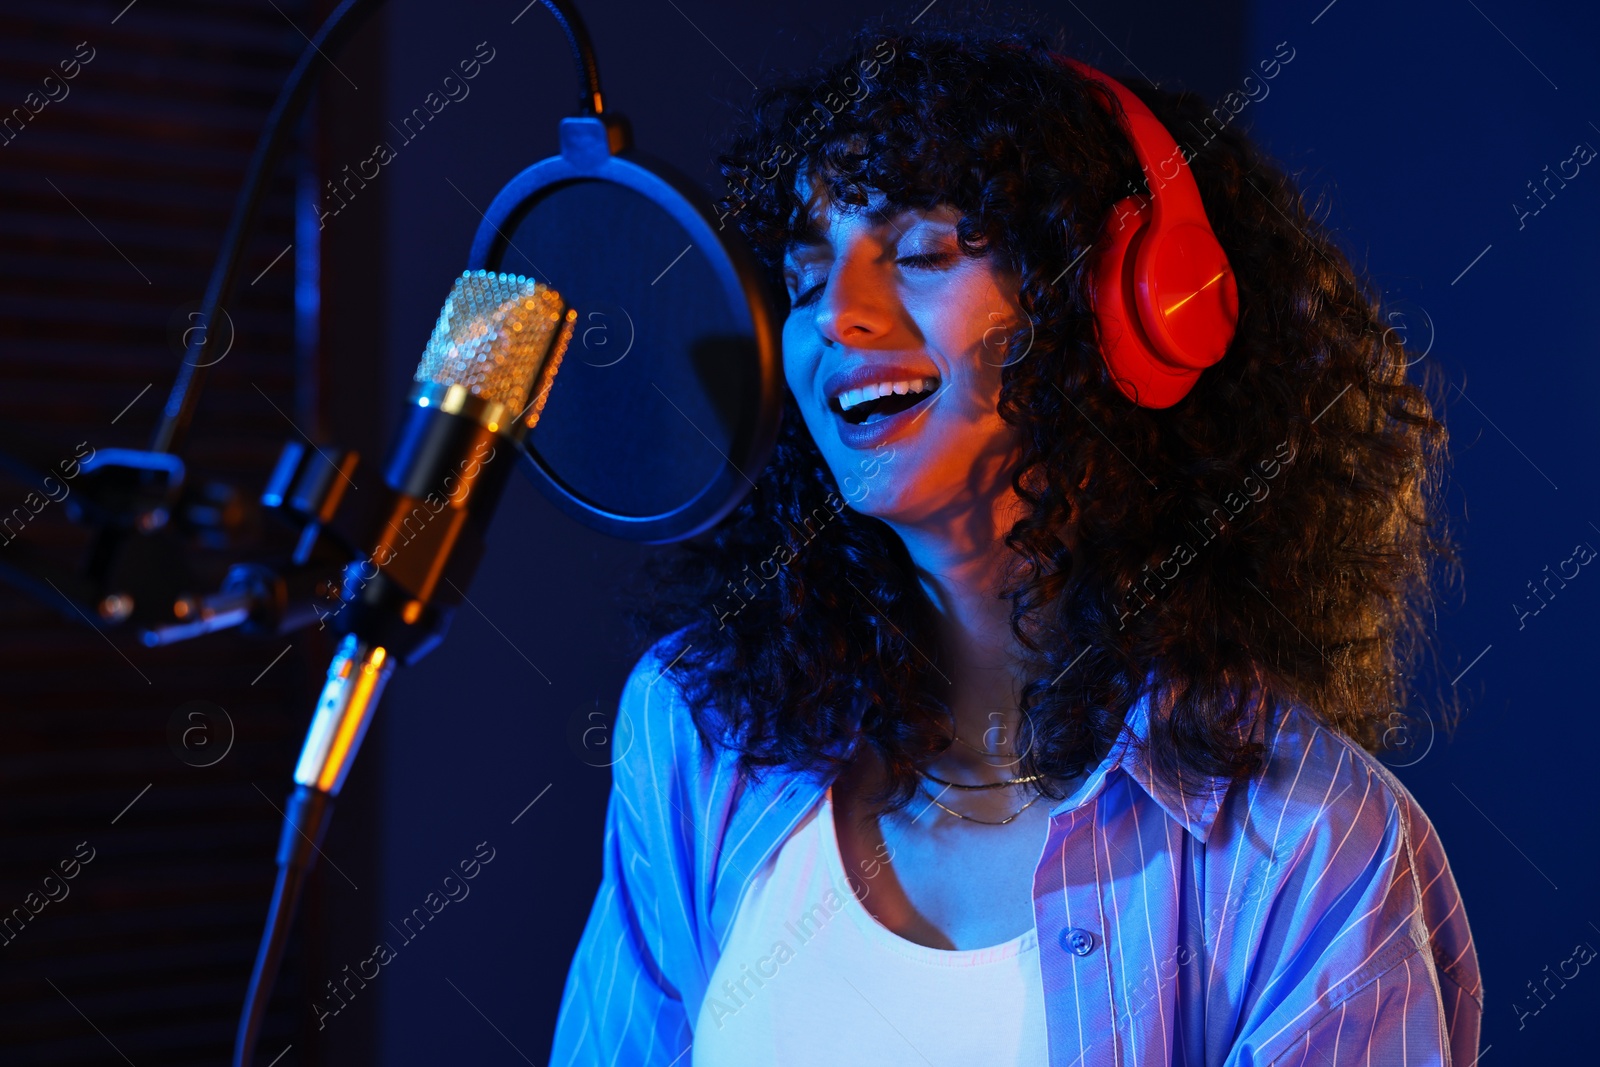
860,406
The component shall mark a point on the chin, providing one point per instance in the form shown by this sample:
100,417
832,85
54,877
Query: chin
882,498
901,483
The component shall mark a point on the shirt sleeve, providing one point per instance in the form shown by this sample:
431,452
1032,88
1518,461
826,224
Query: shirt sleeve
1361,977
620,1004
1396,1020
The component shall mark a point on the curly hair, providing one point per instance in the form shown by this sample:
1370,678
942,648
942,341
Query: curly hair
1270,539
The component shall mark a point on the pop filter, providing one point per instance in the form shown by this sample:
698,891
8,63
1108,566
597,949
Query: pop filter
668,400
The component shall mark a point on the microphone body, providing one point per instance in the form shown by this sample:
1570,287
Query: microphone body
447,472
480,388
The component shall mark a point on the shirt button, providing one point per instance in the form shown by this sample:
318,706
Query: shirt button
1078,942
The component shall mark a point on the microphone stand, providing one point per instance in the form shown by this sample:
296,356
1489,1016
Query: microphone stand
362,665
401,610
350,694
137,492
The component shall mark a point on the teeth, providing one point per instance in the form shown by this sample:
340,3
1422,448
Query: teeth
853,397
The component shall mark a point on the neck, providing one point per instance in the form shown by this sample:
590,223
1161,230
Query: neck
961,567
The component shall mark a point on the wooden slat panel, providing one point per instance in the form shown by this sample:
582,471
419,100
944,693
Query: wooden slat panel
155,939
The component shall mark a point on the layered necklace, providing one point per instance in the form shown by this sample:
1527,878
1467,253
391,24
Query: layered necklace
981,786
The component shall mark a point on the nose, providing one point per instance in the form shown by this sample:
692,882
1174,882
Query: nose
856,305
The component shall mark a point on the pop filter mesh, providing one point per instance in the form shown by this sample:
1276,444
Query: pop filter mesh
661,377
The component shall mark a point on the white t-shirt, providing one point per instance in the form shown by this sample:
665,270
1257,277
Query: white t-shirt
809,977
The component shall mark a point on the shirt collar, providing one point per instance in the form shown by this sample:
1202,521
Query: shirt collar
1195,809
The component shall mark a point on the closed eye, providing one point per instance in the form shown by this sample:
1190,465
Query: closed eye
921,261
809,295
926,259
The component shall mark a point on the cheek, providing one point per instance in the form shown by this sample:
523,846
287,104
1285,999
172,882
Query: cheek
801,358
972,329
794,361
799,373
971,314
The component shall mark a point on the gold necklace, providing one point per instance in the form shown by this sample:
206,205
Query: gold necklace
981,785
981,822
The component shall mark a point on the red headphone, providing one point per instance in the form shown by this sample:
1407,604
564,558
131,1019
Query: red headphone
1164,297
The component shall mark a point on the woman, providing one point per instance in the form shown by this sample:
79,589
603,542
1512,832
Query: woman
1022,715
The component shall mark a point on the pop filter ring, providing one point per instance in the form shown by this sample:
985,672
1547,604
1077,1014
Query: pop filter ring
586,156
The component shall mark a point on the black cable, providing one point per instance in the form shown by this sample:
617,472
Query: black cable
304,824
571,24
173,430
170,435
280,917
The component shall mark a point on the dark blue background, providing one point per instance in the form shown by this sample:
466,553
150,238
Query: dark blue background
1422,124
1414,125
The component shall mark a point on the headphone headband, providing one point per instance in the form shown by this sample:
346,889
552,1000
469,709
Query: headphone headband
1153,144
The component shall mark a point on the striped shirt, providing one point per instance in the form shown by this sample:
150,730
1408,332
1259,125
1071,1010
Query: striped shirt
1306,917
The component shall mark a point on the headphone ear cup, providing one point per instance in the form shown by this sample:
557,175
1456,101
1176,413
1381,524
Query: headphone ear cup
1137,367
1186,295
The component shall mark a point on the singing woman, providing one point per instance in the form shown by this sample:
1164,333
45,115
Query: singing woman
1025,712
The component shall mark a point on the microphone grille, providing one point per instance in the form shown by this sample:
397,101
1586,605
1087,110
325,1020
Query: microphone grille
498,336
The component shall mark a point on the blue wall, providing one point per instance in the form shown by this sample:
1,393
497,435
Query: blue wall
1422,124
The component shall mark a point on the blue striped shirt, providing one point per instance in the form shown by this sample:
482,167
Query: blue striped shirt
1308,916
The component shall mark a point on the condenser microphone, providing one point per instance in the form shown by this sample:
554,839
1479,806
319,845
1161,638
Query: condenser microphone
479,389
483,381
